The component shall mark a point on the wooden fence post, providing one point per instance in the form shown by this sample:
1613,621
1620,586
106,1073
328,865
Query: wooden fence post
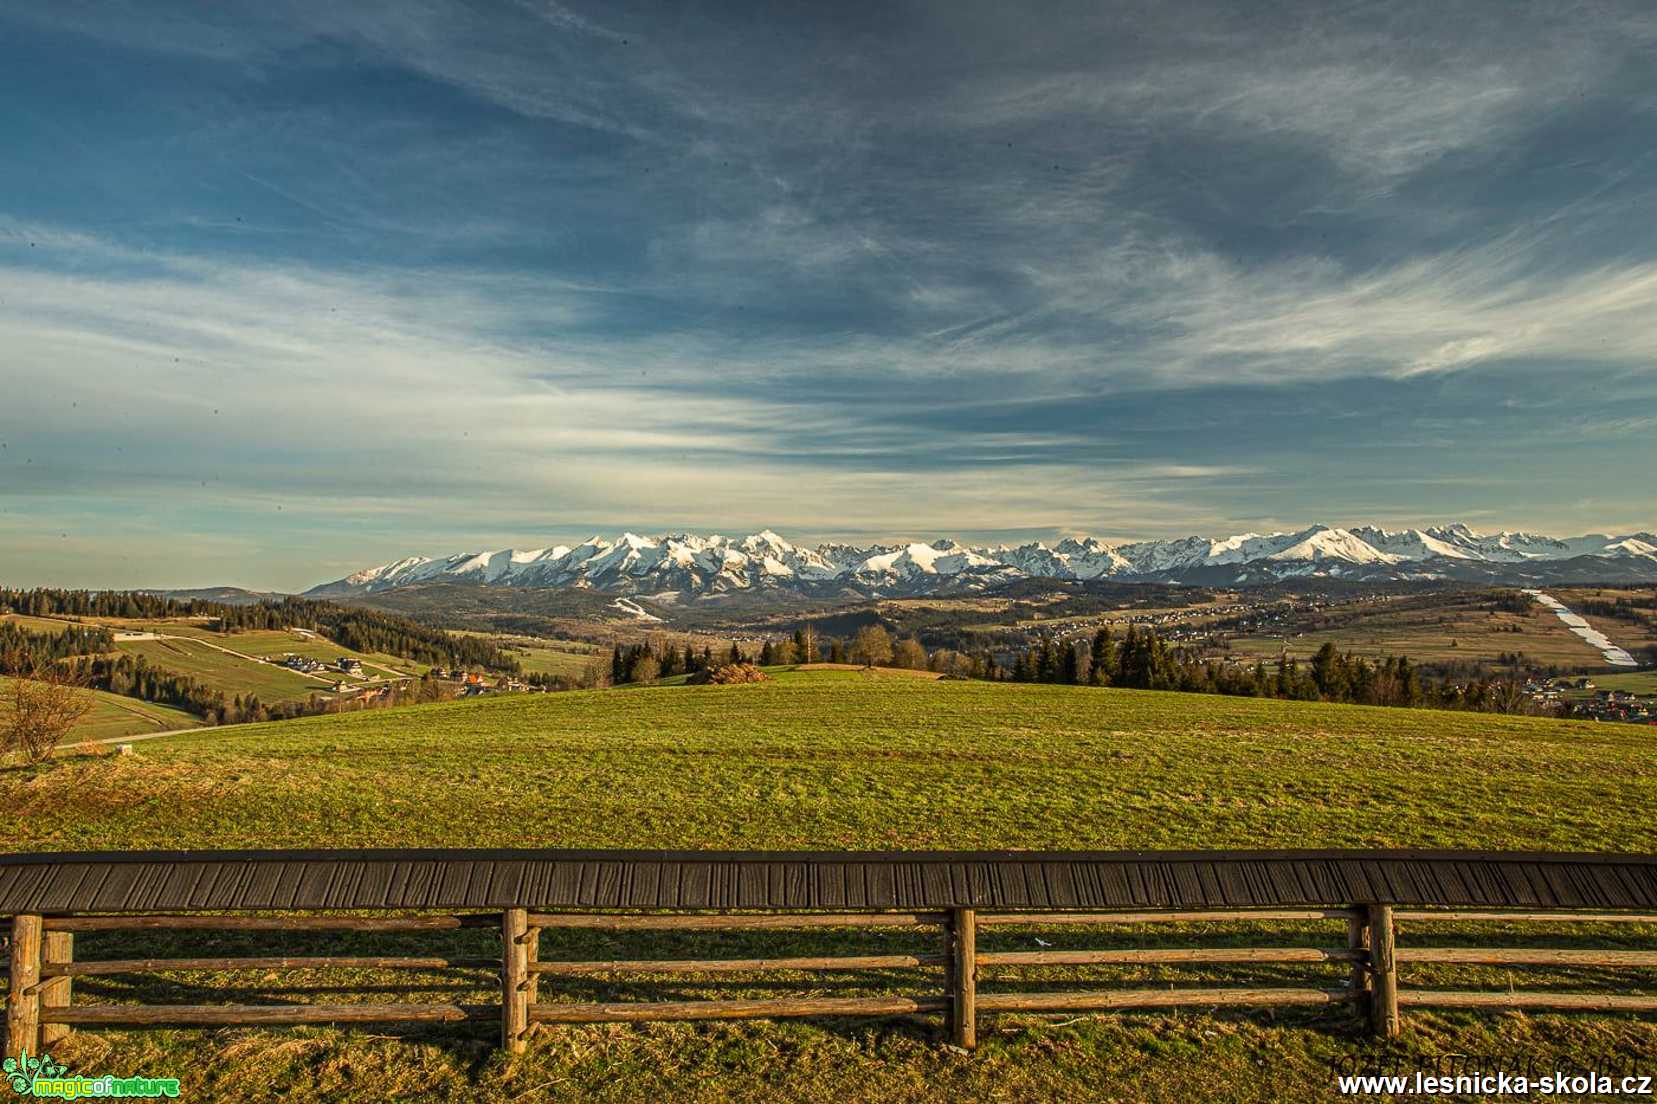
22,996
532,955
1383,1011
1357,939
58,950
951,973
963,978
514,979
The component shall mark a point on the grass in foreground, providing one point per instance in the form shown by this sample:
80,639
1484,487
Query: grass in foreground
1161,1058
841,759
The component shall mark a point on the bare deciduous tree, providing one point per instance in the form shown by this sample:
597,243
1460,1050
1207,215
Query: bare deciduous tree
596,674
872,647
42,708
909,653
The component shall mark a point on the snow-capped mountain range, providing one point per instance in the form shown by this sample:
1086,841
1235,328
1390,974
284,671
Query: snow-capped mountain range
714,565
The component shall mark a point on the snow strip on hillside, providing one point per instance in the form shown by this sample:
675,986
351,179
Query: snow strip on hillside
1614,655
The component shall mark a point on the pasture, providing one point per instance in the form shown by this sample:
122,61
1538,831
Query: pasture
275,643
113,715
1637,682
1453,630
53,625
846,759
542,656
838,759
221,670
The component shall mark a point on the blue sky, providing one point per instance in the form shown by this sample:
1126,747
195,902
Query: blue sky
291,288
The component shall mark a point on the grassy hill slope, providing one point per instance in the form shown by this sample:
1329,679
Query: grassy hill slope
842,759
113,715
838,759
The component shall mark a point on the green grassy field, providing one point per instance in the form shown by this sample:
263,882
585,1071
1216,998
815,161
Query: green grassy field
1440,634
1639,682
222,671
113,715
275,643
52,625
839,759
545,657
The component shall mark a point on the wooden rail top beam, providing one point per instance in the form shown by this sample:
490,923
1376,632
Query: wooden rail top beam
51,884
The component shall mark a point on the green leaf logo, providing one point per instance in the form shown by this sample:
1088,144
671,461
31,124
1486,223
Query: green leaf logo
23,1071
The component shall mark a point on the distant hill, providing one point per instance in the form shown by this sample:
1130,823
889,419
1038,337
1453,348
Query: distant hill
229,596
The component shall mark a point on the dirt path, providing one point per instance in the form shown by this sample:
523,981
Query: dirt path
137,712
329,679
135,737
392,671
250,659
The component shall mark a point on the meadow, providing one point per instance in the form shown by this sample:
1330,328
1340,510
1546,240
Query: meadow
222,671
1433,632
52,625
113,716
542,656
276,643
1637,682
227,662
840,759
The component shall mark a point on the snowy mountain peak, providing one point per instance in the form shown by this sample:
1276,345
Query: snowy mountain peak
765,541
715,564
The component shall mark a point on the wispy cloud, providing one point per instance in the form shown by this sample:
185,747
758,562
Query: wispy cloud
1131,269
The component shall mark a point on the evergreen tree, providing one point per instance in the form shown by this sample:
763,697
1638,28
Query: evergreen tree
1328,673
1047,662
1102,657
1076,661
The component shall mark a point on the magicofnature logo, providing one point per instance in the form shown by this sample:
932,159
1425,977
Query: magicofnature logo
43,1078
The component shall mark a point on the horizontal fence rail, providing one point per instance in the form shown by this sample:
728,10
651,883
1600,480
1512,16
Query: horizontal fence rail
941,904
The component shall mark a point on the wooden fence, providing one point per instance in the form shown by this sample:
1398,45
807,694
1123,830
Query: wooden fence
41,1006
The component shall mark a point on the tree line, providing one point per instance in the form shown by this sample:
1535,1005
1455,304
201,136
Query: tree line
653,660
23,652
362,630
1138,659
1142,660
86,656
136,677
872,646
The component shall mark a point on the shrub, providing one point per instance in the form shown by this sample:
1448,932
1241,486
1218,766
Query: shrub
43,706
729,674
